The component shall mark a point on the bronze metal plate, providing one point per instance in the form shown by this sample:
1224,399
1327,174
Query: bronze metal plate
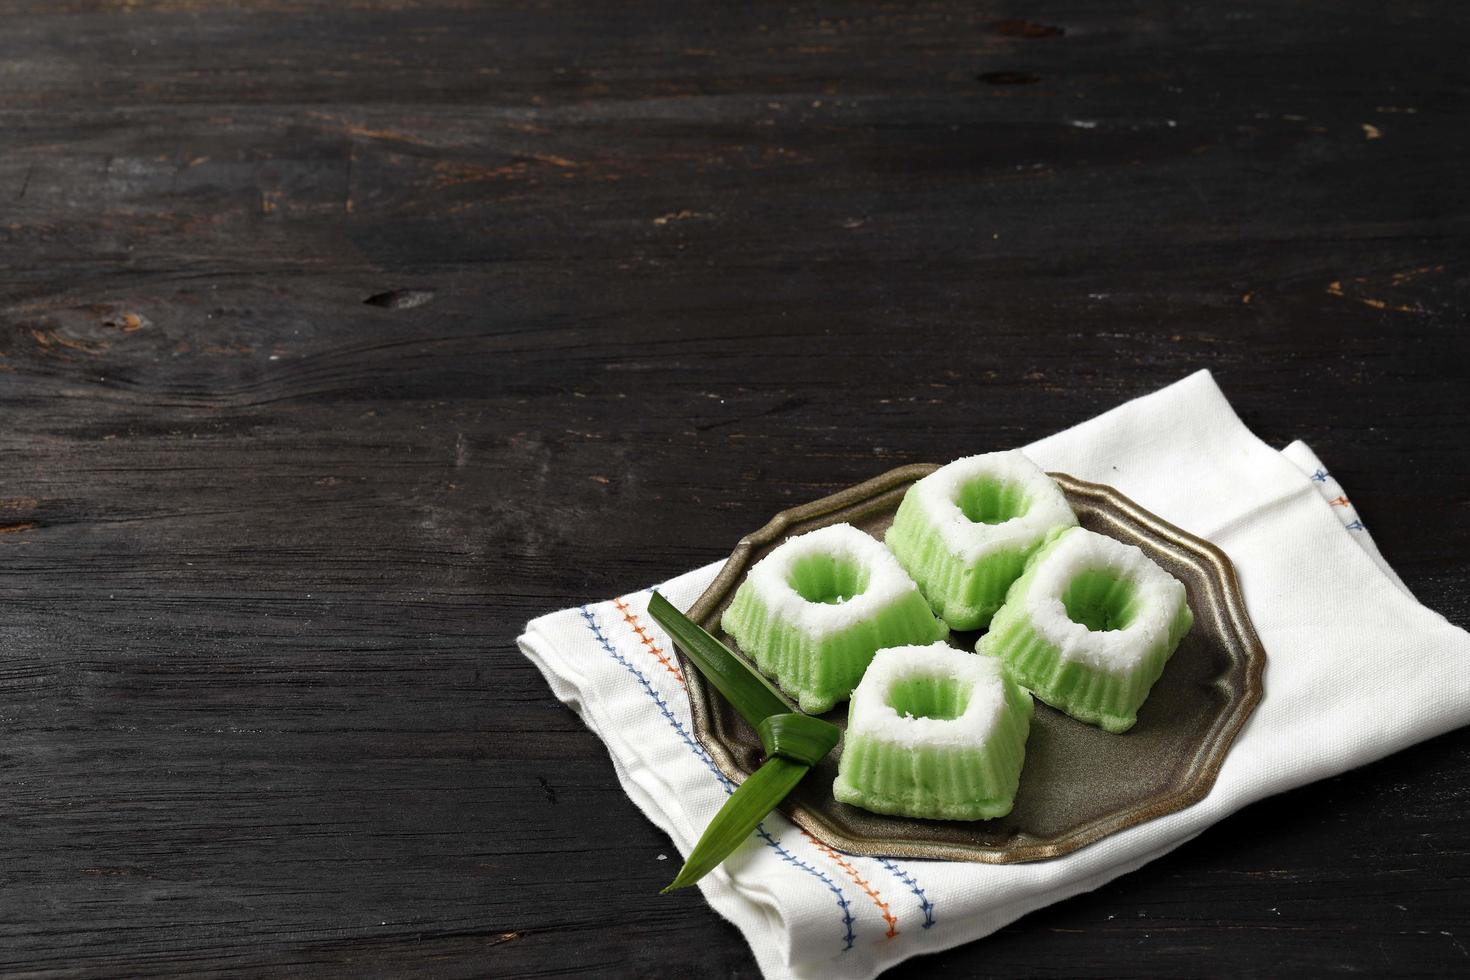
1080,784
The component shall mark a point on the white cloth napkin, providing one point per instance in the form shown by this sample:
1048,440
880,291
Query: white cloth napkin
1356,669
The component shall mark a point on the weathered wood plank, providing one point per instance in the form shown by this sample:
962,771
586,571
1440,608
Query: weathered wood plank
338,340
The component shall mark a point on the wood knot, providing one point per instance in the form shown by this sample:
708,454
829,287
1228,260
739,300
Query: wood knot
401,299
126,322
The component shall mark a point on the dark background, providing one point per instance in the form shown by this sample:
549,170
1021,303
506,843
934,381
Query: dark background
337,341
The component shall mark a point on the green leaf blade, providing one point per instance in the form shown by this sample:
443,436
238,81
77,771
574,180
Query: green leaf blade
794,742
742,685
800,738
745,808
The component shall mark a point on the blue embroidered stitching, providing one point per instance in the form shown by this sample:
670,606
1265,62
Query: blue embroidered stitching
699,751
924,904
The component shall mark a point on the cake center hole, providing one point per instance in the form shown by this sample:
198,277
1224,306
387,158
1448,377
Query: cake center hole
986,500
923,696
828,579
1100,600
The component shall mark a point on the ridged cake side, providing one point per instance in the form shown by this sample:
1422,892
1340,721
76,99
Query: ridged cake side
942,782
963,533
820,671
964,594
1105,695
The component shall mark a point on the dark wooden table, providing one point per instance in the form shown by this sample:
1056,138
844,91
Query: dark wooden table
336,342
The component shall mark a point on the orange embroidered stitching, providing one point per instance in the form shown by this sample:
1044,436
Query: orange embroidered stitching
653,647
858,880
1338,501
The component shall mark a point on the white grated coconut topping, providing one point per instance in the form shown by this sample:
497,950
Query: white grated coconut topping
939,493
1158,598
771,580
871,714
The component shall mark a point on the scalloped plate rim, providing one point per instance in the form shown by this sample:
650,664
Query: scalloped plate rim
871,493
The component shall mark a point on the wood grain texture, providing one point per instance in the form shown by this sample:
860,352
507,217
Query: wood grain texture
338,340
